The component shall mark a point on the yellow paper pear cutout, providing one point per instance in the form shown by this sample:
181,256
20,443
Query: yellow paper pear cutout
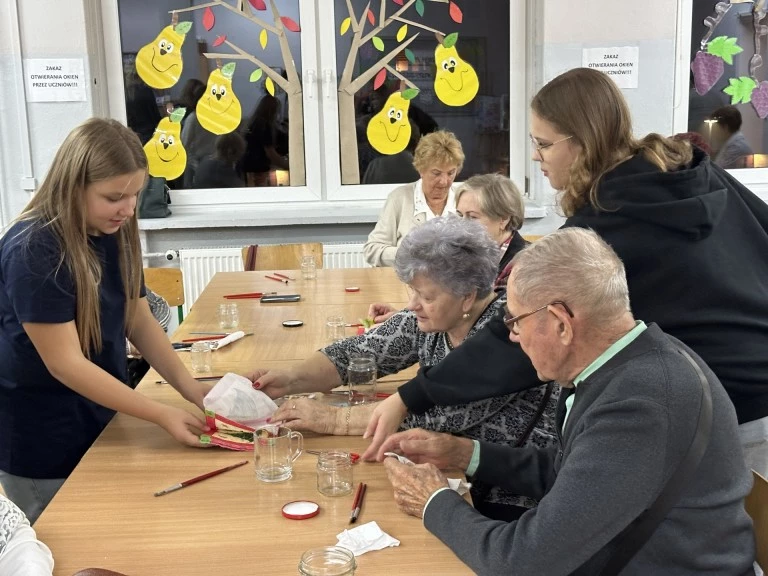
389,130
219,110
166,156
456,82
159,63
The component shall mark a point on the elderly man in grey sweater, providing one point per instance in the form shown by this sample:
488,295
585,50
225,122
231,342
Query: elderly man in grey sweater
627,416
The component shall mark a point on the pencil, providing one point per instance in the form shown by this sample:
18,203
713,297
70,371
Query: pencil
355,502
282,276
200,478
199,379
356,511
278,279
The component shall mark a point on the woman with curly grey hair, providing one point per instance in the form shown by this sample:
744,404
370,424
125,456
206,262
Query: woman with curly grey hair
450,265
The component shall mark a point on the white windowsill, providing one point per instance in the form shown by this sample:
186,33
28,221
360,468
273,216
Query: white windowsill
305,213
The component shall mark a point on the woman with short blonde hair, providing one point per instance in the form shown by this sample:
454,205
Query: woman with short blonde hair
438,159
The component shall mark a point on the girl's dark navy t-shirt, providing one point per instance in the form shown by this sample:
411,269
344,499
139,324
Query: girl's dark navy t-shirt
45,427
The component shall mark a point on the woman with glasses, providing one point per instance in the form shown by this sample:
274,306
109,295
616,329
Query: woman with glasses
450,265
694,242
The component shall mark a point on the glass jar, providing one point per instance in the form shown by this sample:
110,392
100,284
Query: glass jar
334,473
308,268
200,356
229,316
327,561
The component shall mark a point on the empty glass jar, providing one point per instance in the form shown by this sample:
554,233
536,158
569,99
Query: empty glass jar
200,356
327,561
334,473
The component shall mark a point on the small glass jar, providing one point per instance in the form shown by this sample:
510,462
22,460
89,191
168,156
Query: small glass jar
335,330
200,356
334,473
308,268
229,316
327,561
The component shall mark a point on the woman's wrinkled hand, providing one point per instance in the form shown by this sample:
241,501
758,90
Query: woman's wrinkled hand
274,383
305,414
385,420
380,312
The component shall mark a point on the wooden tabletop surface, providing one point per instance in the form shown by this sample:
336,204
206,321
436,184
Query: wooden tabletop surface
106,515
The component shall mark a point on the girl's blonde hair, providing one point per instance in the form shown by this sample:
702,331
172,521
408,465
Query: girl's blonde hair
439,148
588,106
98,149
498,198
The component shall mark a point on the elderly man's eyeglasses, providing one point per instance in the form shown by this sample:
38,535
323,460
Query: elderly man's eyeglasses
512,323
539,147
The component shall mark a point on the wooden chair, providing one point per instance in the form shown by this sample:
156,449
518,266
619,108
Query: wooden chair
168,283
756,504
531,237
280,256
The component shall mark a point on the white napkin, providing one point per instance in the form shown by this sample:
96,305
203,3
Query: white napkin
234,397
365,538
456,484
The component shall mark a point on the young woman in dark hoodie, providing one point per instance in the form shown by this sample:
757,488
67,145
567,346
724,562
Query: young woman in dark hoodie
694,242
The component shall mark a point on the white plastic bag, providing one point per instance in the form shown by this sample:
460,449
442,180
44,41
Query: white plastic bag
234,397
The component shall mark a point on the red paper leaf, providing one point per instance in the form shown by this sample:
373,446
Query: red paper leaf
258,4
380,77
208,18
219,40
371,17
290,24
398,2
455,12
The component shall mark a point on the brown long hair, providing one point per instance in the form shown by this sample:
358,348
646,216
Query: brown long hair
98,149
588,106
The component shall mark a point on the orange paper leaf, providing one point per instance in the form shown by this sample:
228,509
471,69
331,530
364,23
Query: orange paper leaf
398,2
208,18
219,40
258,4
455,12
380,77
290,24
371,17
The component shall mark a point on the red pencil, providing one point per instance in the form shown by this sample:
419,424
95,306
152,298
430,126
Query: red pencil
248,295
355,503
196,479
278,279
283,276
356,511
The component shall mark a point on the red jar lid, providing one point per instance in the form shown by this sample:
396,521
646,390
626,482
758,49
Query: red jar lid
301,510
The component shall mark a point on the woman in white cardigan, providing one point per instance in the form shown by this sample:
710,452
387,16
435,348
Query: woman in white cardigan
438,159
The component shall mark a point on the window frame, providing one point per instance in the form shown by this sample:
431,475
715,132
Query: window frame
756,179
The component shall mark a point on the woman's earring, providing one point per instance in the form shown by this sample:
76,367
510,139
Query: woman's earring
465,315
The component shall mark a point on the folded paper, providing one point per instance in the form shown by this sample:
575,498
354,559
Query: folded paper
366,538
456,484
234,398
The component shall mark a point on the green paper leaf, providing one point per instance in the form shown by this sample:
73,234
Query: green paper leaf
409,55
724,47
420,7
740,89
256,75
178,114
378,43
450,40
228,70
183,27
409,93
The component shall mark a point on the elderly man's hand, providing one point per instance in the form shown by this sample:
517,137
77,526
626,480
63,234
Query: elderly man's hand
413,484
305,414
420,446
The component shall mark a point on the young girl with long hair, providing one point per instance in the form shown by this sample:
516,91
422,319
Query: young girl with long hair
71,291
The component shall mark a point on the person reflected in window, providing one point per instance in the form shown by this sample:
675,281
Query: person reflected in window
395,168
731,144
192,92
142,114
260,151
220,170
198,142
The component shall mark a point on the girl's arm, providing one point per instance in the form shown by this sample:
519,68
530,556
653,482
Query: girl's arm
146,334
59,347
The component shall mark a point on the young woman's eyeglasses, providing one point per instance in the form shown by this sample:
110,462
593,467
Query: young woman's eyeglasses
512,323
539,147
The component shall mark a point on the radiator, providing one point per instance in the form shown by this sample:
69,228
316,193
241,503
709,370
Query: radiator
199,265
343,256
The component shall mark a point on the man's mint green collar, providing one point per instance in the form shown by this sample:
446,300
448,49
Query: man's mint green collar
610,352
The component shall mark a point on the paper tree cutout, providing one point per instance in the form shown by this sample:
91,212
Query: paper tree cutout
159,63
349,85
166,156
278,26
389,130
456,82
219,110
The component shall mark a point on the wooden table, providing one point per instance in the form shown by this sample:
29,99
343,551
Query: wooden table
106,516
